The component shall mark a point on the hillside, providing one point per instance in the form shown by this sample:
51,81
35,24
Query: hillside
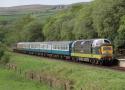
41,11
29,8
12,13
97,19
34,8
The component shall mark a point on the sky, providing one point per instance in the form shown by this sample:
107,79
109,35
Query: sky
8,3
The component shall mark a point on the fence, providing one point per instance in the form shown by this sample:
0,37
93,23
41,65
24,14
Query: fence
52,81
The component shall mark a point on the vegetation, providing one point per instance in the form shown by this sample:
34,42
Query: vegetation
4,57
97,19
11,81
86,77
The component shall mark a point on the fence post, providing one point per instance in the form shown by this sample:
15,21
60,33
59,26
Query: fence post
20,71
32,76
71,83
25,74
65,86
51,83
9,66
15,68
40,79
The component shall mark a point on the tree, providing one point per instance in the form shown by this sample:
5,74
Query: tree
106,16
120,39
67,30
33,31
4,57
16,32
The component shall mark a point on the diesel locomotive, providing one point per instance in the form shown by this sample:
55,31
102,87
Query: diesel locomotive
96,51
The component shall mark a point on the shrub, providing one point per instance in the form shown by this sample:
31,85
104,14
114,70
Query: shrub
4,57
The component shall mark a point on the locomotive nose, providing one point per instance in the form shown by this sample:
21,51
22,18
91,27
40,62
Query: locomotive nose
107,50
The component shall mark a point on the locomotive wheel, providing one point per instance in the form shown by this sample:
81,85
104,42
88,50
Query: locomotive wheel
73,59
93,61
101,62
96,61
90,61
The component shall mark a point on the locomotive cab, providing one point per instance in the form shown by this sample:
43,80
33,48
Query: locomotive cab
105,48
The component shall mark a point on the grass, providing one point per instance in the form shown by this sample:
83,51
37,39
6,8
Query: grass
11,81
86,77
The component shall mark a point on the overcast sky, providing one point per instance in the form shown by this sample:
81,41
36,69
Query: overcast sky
8,3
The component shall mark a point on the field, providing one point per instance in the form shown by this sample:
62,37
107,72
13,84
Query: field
85,77
11,81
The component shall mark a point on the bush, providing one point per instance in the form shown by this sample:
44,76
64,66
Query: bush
1,53
4,57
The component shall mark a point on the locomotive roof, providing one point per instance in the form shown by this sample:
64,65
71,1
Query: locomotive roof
92,39
51,42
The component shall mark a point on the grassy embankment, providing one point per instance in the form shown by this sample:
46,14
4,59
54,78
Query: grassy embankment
11,81
88,78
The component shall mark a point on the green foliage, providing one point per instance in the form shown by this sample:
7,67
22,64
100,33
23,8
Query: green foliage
4,57
2,51
2,35
33,31
97,19
120,39
71,24
60,26
26,28
84,24
106,15
16,30
52,29
9,80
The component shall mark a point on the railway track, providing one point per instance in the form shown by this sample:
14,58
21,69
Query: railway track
111,67
118,68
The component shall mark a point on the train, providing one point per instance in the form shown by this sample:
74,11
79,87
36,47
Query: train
95,51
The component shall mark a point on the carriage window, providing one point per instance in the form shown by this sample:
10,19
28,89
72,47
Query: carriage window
54,46
66,47
58,47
